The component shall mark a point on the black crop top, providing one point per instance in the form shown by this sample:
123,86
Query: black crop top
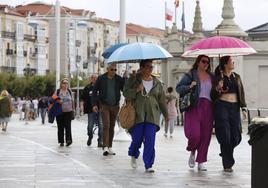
230,84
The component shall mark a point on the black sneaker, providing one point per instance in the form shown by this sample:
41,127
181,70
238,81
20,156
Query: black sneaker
99,145
68,143
61,144
105,153
89,142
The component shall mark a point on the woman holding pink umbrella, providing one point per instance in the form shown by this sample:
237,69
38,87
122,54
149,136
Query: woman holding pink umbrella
228,96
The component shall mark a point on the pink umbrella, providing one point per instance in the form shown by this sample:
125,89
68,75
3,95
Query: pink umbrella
219,46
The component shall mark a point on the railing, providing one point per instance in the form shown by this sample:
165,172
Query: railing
33,55
256,112
8,69
8,34
31,38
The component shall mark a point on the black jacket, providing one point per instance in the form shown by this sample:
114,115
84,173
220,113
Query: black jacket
87,97
215,95
100,89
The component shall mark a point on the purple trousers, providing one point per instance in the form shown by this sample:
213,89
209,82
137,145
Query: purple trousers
198,128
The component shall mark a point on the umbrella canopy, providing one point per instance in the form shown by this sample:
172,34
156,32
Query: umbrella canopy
138,51
108,52
219,45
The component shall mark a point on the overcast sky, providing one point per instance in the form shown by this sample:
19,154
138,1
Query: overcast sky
248,13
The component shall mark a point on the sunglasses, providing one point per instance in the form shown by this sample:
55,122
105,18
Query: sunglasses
113,69
149,66
204,61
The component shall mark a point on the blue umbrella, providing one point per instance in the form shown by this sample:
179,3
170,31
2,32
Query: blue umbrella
138,51
108,52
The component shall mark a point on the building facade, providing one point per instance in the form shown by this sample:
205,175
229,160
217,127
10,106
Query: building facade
23,45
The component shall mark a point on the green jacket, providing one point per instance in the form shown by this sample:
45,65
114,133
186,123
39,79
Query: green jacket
148,108
5,107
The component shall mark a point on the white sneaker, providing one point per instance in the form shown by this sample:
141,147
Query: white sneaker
150,170
201,167
133,162
110,151
105,151
191,161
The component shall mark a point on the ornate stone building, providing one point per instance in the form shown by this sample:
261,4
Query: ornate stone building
252,68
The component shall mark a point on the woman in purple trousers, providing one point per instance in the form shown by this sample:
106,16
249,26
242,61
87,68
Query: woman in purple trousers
198,121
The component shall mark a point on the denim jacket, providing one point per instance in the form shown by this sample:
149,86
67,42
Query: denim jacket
184,85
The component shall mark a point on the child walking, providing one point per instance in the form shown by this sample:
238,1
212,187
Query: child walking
172,111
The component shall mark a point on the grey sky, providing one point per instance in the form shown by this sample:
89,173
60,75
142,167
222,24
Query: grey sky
249,13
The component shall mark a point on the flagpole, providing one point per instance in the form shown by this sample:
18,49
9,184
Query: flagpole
175,7
183,26
165,15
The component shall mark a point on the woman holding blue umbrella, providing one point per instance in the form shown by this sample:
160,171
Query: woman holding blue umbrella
149,100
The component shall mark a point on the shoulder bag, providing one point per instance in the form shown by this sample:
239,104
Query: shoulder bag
185,100
127,114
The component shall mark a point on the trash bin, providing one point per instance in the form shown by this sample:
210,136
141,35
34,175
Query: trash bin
258,131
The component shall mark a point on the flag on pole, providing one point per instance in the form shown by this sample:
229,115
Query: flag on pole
182,18
177,3
169,14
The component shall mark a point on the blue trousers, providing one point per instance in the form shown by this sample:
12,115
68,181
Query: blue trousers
143,132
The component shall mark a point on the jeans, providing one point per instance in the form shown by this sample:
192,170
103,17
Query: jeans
95,118
43,112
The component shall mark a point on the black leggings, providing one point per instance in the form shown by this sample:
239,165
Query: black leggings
64,123
228,130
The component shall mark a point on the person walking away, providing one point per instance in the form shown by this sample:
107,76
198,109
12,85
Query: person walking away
35,108
228,96
107,94
21,107
149,100
172,111
199,118
93,117
5,109
27,113
64,120
42,106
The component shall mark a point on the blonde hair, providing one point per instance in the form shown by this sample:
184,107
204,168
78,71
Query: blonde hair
4,93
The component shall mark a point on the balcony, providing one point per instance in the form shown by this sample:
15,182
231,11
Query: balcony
78,58
33,55
78,43
8,69
9,51
8,34
31,38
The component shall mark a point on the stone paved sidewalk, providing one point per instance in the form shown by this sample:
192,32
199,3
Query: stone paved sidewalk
31,157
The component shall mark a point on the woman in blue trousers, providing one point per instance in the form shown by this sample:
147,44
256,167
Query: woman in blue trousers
149,98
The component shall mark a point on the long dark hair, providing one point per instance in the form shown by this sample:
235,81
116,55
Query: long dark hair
220,68
198,59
